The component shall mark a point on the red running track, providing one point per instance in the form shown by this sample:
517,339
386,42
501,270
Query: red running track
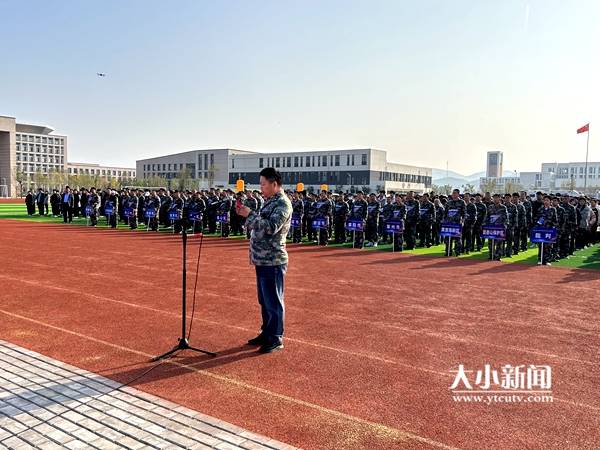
371,337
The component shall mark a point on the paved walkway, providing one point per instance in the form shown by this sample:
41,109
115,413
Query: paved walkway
47,404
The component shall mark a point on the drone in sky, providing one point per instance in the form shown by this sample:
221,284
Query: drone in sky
100,74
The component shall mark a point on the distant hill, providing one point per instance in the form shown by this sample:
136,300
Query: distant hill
457,180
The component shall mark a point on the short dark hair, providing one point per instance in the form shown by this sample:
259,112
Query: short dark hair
271,174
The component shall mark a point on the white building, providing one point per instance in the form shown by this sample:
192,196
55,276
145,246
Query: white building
121,173
571,175
352,169
26,150
531,181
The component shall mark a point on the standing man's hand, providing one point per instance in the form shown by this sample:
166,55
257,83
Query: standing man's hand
243,211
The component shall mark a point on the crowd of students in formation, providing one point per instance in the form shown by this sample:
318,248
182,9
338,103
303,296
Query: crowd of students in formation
406,220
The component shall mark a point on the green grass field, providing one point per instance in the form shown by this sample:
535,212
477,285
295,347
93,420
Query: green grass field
588,258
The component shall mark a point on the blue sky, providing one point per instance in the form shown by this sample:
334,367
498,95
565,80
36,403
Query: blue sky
428,81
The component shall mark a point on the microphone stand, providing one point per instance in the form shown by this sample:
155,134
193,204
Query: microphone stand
183,343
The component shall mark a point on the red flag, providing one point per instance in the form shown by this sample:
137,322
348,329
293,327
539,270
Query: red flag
584,128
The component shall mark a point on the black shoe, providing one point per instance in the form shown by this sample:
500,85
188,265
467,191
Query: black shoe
258,340
272,346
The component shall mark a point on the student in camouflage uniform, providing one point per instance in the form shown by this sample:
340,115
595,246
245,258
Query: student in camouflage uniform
469,226
425,221
570,226
152,202
521,216
130,206
176,207
340,215
359,212
437,224
310,210
454,213
477,242
94,203
526,228
398,215
497,215
412,217
196,206
331,201
386,214
372,221
297,212
323,211
561,217
268,254
546,218
224,208
141,204
511,225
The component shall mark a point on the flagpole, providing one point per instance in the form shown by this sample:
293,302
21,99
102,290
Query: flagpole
587,148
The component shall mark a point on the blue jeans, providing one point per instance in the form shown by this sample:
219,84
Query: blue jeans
269,284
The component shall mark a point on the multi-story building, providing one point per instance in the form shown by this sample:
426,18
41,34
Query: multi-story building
494,167
340,169
531,181
26,150
572,176
121,173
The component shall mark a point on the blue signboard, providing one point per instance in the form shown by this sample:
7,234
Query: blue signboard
541,235
150,213
195,216
128,212
494,232
89,210
223,218
394,226
174,214
320,222
109,210
296,221
355,225
450,229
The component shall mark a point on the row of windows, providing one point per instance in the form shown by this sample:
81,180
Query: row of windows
333,178
351,178
107,172
40,148
38,158
405,178
165,167
36,167
562,171
307,161
172,175
39,139
208,159
205,162
581,176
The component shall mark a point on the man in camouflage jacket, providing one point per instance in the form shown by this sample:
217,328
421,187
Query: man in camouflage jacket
268,231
